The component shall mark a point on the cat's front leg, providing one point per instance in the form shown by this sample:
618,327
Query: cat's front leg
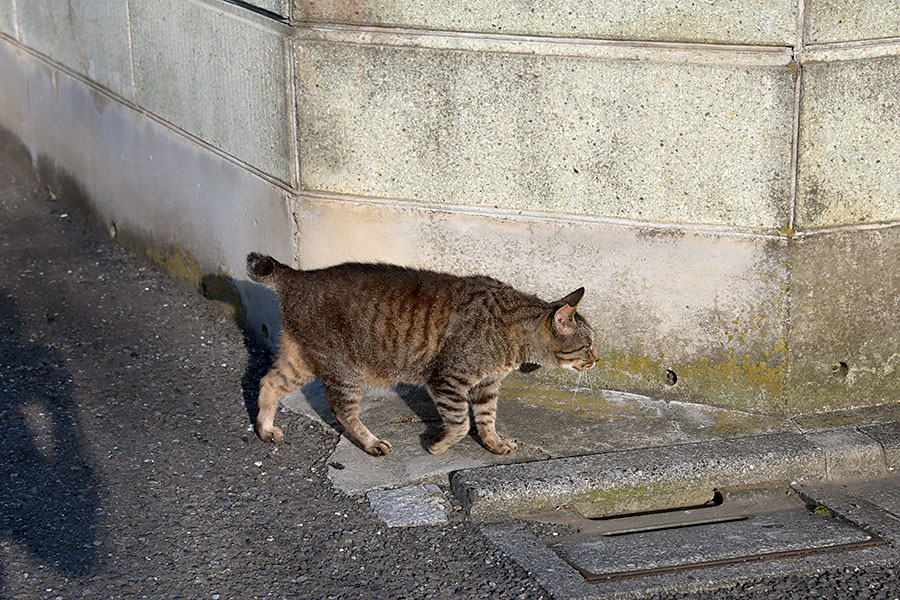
343,399
484,405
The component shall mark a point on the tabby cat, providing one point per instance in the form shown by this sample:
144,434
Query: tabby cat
382,324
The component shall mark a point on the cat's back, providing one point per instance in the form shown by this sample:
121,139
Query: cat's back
377,282
380,298
383,283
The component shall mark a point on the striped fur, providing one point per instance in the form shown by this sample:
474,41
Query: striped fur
355,324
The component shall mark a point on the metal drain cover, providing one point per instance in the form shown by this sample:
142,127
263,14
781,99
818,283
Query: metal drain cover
741,526
755,538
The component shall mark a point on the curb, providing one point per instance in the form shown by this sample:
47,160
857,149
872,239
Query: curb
661,477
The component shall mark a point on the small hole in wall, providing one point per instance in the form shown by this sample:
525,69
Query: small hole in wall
112,229
265,330
671,377
840,369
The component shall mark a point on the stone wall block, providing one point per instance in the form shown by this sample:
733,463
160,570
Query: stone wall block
830,21
221,74
644,140
90,37
8,18
849,149
769,22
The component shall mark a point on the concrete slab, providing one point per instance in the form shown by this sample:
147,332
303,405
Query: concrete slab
829,21
410,505
848,165
8,18
883,493
853,502
409,462
643,140
883,414
850,454
571,421
888,435
642,479
787,531
407,419
846,354
660,478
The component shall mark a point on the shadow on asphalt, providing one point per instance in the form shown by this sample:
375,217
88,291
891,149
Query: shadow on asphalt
49,495
259,359
221,288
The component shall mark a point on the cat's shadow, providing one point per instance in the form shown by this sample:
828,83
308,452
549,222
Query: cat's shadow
415,398
419,401
259,359
224,289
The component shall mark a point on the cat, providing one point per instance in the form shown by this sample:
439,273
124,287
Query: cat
379,324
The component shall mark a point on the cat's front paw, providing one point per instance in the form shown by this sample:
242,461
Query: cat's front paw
498,446
379,448
271,435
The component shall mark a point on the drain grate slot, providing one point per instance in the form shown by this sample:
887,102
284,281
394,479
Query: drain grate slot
715,499
676,525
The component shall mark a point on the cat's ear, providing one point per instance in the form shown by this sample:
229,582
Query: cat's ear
564,316
564,320
572,299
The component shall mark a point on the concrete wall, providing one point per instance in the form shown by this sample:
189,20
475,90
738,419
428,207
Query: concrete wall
722,177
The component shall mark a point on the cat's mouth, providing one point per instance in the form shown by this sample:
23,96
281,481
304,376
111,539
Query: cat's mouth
585,365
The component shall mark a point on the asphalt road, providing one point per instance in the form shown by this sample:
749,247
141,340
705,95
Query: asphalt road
128,468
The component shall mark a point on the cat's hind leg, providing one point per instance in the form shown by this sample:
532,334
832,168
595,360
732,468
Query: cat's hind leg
450,397
484,406
343,399
289,372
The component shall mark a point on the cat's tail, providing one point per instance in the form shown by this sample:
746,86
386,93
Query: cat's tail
264,269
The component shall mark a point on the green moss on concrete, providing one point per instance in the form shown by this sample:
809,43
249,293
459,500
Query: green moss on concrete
178,263
731,424
642,497
181,265
746,383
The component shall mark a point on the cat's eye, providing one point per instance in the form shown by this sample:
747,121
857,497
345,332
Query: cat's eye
579,350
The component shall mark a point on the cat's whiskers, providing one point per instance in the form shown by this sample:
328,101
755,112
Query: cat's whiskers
577,384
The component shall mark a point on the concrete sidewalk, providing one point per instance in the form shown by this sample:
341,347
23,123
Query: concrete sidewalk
609,451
